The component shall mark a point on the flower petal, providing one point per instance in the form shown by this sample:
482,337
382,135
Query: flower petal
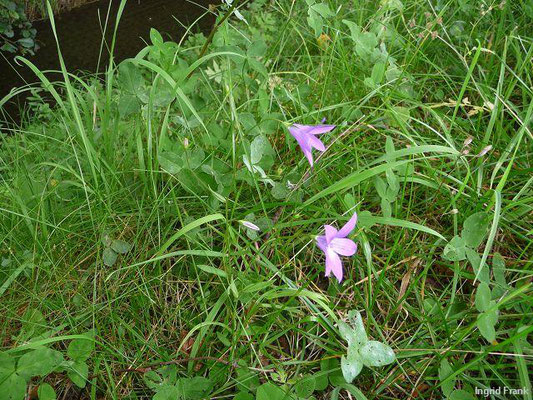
316,143
321,243
350,225
308,153
319,129
333,264
344,247
331,233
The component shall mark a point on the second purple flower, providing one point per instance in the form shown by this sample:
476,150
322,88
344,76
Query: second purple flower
305,135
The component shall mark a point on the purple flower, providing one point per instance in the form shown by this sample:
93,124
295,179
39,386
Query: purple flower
334,244
305,135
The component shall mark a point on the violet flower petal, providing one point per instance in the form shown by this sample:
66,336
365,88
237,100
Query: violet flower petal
331,233
344,247
333,264
350,225
316,143
319,129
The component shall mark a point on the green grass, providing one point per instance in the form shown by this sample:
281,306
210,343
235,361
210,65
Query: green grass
127,157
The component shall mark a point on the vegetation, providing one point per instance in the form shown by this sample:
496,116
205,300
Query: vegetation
159,222
16,32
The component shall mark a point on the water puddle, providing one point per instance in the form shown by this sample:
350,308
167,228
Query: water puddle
80,37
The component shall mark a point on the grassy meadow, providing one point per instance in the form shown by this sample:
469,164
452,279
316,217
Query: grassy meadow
158,222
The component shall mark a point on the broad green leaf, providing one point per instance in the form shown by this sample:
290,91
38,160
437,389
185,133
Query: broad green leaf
498,270
260,147
109,256
194,388
243,396
475,261
80,349
347,333
13,387
269,391
323,10
376,354
358,328
486,327
321,380
305,387
79,373
386,208
483,297
130,78
475,228
351,367
170,162
167,392
446,370
120,246
7,365
381,186
46,392
155,37
128,104
378,73
455,250
38,362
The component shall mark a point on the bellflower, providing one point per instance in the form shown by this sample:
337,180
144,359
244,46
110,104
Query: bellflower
334,244
305,135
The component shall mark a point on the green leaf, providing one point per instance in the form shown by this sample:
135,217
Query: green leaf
446,370
171,162
243,396
321,380
109,257
259,147
194,388
380,186
26,42
7,365
128,104
120,246
483,297
46,392
213,270
498,270
78,373
475,261
358,328
33,324
376,354
486,326
475,228
305,387
351,366
323,10
194,181
80,349
13,387
455,250
130,78
155,37
279,191
378,73
269,391
38,362
167,392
